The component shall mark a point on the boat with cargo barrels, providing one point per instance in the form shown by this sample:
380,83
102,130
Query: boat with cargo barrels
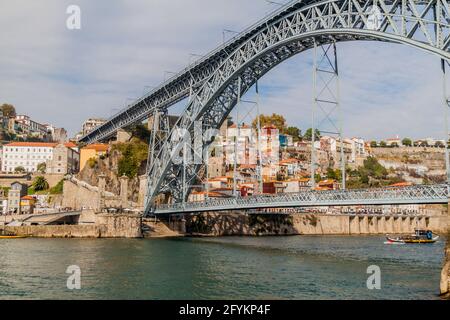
419,237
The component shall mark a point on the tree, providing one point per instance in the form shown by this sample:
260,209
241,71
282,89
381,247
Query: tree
275,119
134,157
295,133
383,144
407,142
40,184
42,167
317,178
308,135
374,169
8,110
141,132
374,144
20,170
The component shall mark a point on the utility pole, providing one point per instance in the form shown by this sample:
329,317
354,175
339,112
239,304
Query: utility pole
314,110
259,163
236,139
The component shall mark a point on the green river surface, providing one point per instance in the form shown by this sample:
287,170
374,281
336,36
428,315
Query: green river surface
300,267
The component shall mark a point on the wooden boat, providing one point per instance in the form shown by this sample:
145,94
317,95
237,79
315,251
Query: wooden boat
420,237
10,235
13,237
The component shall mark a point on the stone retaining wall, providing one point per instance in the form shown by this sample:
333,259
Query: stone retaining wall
215,224
106,226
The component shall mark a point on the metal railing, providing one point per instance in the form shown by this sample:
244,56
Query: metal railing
422,194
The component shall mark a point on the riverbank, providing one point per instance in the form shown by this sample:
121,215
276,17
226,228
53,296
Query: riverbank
234,224
445,274
103,226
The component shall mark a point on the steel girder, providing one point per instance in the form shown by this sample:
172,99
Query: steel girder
422,24
179,86
425,194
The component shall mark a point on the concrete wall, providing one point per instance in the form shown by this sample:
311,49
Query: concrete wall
6,180
106,226
120,226
77,197
52,179
77,231
318,224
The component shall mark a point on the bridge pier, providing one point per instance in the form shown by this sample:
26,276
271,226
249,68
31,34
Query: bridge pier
382,223
354,226
372,225
364,225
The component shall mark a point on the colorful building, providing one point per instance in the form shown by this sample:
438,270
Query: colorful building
93,151
30,155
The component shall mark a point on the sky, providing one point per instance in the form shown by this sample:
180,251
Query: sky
62,76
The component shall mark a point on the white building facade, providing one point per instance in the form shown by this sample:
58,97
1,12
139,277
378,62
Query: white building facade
28,155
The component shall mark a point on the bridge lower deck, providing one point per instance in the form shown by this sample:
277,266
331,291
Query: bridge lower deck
423,194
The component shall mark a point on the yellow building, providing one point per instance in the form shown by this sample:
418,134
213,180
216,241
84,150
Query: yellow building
27,204
93,151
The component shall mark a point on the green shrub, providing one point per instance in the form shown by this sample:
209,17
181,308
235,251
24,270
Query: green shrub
92,162
134,154
31,191
40,184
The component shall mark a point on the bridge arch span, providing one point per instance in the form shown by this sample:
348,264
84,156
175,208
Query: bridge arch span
319,23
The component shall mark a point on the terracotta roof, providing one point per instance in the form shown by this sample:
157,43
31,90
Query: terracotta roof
248,166
99,147
27,198
402,184
70,145
222,189
222,179
321,189
242,126
326,182
288,161
211,194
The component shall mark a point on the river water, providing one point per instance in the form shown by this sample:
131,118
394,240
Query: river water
219,268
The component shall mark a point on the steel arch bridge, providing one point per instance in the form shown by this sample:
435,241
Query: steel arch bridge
215,83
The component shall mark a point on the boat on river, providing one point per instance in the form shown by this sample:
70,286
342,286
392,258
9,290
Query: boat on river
419,237
9,235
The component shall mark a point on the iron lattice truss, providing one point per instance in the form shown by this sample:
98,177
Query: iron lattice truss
214,82
420,23
425,194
